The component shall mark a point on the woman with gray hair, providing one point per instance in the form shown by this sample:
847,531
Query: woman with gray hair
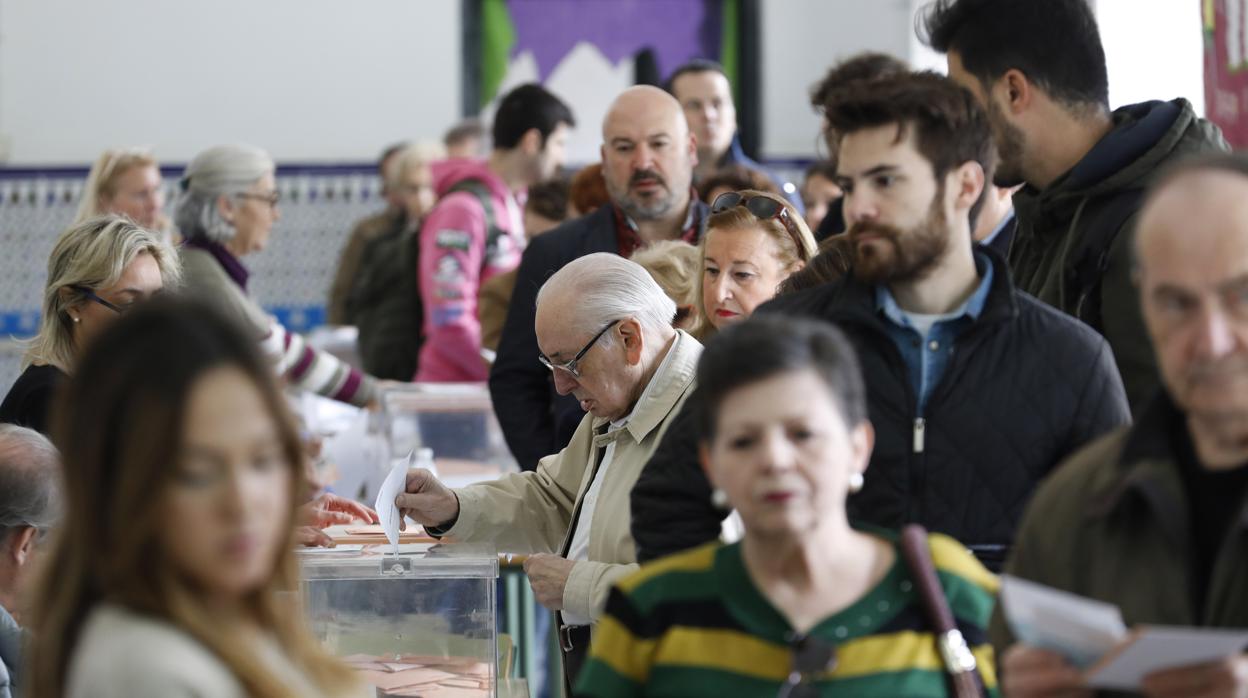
227,209
98,269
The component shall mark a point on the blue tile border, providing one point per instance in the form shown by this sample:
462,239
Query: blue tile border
24,323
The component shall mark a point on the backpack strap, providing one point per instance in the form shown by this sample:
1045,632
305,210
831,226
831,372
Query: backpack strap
960,665
1091,254
483,194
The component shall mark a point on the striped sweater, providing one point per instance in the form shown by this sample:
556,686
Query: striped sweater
210,272
694,624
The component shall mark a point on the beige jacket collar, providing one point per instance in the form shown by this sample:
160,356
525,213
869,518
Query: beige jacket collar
669,382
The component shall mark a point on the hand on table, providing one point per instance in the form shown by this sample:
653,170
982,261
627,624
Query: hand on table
313,537
1028,671
330,509
548,575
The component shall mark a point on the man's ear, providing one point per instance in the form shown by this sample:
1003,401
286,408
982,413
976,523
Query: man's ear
1016,91
967,181
20,544
630,335
531,142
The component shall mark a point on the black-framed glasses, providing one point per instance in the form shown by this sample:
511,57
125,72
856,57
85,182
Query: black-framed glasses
764,208
571,366
811,657
272,198
91,295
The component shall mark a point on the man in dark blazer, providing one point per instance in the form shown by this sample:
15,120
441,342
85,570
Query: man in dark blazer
648,156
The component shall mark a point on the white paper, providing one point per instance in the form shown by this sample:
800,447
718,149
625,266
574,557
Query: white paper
1080,629
392,487
354,453
1159,648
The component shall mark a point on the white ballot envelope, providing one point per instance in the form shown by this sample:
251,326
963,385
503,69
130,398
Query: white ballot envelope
1092,636
392,487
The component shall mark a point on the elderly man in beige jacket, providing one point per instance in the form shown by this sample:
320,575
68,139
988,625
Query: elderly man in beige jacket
604,328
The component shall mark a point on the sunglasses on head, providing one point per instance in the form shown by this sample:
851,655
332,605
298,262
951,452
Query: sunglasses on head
764,208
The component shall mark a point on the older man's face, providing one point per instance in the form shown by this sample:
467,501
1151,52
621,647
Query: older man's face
607,385
1193,246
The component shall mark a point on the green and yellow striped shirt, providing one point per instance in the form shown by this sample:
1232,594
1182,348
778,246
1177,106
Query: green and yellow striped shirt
694,624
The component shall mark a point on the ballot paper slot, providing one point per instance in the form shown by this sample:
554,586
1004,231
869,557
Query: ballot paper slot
395,565
421,622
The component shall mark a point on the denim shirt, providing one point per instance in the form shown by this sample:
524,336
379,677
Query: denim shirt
926,361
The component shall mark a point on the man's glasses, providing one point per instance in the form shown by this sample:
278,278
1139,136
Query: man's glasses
811,657
571,366
272,198
764,208
91,295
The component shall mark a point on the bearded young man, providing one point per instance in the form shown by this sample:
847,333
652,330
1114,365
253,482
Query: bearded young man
976,390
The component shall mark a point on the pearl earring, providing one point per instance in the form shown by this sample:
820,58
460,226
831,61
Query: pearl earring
720,499
856,481
76,319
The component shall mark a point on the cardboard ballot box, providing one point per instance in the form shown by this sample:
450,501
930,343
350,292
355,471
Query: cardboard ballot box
456,421
421,622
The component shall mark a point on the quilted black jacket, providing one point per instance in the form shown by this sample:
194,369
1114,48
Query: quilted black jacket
1026,387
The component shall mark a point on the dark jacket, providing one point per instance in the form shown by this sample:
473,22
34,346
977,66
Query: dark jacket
536,420
1057,229
1113,523
735,155
29,401
1026,386
1005,237
833,222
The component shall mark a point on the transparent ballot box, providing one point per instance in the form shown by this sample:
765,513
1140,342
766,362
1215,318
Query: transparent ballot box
421,622
456,421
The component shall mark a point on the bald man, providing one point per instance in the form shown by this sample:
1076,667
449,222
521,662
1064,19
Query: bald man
605,333
1154,518
648,156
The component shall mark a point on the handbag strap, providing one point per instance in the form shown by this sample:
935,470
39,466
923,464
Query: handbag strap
964,679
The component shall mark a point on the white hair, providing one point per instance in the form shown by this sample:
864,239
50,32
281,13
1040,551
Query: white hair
608,287
29,470
224,170
412,157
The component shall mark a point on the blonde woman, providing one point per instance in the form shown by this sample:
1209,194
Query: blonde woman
676,266
99,269
173,574
127,182
227,210
753,242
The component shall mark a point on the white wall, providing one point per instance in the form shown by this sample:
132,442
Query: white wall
327,80
322,80
1154,50
801,40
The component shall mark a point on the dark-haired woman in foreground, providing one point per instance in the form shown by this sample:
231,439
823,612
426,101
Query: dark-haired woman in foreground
805,604
182,471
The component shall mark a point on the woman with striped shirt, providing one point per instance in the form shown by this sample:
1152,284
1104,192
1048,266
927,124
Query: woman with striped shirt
227,208
806,604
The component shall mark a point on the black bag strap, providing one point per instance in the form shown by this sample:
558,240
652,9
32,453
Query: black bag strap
1091,254
960,665
483,194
